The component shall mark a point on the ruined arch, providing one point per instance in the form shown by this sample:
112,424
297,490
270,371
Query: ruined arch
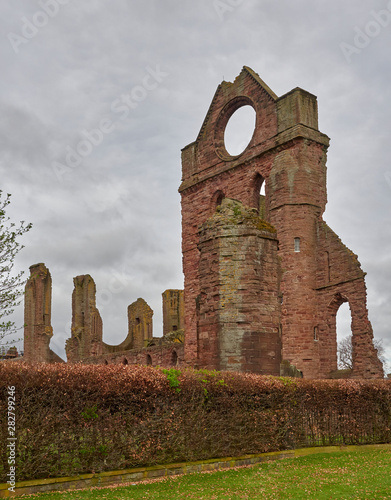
337,300
327,332
217,199
335,303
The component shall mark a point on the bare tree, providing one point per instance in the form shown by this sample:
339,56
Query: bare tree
10,284
345,353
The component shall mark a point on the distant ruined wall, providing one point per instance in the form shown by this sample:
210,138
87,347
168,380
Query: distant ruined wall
86,339
37,316
166,356
86,345
140,323
173,311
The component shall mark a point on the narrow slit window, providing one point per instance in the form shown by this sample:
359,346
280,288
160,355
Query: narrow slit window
174,358
297,244
316,333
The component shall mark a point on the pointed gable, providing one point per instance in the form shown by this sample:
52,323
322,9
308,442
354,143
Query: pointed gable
247,83
260,82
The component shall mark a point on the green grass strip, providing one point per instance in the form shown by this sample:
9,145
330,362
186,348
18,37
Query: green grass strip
359,475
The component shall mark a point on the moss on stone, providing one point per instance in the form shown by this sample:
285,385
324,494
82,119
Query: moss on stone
236,213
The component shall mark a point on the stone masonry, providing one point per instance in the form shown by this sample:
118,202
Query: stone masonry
140,323
87,328
86,344
287,153
173,311
37,316
238,310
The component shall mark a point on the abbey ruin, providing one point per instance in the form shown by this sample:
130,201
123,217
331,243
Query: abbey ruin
264,274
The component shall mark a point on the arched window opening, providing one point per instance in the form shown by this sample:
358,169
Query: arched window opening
125,362
297,244
262,202
344,337
217,199
149,360
106,362
260,195
174,358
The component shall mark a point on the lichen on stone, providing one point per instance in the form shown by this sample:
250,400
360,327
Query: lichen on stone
236,213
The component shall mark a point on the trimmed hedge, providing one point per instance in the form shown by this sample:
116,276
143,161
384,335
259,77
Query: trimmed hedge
73,419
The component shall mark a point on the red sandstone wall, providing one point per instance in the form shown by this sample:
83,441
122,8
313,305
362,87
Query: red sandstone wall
164,356
87,326
139,324
207,169
239,312
297,200
37,316
341,279
288,153
173,311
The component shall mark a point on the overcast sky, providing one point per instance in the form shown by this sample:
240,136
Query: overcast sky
98,98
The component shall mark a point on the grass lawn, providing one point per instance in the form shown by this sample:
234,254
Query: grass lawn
340,475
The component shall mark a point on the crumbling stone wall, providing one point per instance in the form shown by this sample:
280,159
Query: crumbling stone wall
287,152
37,316
173,311
87,328
164,355
238,308
85,344
140,323
340,279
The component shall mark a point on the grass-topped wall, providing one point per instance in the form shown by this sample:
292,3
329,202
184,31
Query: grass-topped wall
79,419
